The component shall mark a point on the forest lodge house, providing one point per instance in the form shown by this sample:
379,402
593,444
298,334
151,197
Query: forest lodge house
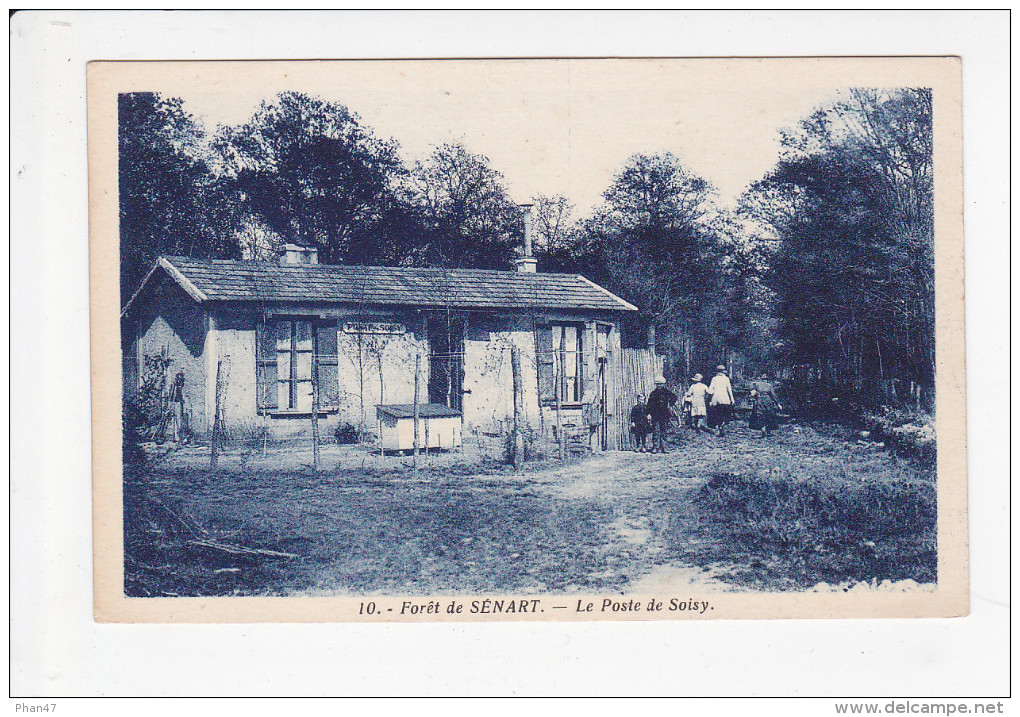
258,332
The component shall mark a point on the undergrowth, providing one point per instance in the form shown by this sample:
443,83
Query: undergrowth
832,531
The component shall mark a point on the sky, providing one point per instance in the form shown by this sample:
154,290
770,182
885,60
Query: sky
549,126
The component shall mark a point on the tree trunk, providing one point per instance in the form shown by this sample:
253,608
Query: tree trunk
518,442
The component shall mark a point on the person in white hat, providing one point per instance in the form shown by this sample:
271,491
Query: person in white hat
722,399
660,405
697,396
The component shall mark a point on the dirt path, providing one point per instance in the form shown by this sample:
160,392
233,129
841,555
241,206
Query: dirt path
637,484
633,483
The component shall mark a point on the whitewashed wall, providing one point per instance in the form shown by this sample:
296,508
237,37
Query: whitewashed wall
488,373
376,369
177,331
371,368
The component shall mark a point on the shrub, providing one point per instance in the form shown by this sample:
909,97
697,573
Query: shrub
347,434
874,528
909,432
146,408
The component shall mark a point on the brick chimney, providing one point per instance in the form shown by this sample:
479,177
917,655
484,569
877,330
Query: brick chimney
297,254
527,264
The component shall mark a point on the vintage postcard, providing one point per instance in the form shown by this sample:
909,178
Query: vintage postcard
551,339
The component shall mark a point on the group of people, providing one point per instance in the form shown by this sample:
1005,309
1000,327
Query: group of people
706,408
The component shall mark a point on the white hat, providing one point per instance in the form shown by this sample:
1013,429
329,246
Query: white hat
660,379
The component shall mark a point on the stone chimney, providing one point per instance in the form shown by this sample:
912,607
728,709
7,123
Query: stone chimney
297,254
527,264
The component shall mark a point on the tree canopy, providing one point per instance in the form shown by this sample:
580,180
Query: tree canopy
851,205
826,262
314,174
170,199
468,216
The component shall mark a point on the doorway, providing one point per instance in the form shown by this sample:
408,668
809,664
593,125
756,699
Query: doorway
446,359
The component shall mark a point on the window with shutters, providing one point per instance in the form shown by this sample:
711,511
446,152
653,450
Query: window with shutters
292,353
560,363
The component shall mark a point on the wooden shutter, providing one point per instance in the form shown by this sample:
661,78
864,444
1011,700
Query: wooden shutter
265,367
329,381
544,356
589,349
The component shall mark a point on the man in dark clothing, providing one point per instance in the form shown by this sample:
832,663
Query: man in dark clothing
660,404
639,425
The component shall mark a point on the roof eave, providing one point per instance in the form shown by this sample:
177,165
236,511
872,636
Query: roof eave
163,263
626,305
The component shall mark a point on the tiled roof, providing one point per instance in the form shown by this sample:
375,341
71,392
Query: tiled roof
229,280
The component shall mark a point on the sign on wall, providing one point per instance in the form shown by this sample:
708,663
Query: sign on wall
372,327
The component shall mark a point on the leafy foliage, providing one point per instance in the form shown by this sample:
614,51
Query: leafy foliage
653,241
314,175
469,219
171,201
827,263
853,268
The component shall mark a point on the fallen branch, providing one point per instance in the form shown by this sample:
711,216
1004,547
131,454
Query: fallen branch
238,551
192,528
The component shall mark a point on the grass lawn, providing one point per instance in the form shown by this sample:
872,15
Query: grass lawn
731,513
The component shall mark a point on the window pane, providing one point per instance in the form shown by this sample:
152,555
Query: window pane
304,396
303,366
283,365
283,395
303,335
570,338
571,366
283,336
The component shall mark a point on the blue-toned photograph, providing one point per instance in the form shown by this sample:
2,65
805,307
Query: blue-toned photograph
528,328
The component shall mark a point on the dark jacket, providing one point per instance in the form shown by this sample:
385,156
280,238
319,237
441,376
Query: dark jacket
639,417
660,401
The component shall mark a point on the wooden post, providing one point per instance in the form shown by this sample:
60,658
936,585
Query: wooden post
265,431
214,447
515,365
417,381
315,405
561,387
427,440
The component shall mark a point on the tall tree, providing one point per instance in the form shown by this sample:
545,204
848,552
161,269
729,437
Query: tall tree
171,202
316,175
469,217
554,225
656,245
851,204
